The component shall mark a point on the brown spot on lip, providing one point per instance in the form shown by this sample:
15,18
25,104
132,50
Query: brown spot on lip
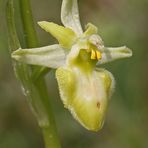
98,105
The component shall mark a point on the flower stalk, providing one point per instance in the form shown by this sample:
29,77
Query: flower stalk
32,79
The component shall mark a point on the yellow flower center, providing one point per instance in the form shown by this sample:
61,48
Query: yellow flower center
95,55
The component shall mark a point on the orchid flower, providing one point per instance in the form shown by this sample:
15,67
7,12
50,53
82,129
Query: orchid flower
84,87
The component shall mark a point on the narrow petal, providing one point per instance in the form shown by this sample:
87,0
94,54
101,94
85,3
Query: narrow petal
49,56
65,36
110,54
90,29
70,15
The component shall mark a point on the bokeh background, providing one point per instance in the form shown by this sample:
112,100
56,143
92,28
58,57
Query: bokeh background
120,22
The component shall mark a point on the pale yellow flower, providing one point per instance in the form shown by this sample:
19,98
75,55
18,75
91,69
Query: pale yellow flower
85,88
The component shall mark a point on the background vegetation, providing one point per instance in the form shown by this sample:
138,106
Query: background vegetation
120,22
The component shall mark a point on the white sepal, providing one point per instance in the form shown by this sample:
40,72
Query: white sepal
52,56
114,53
70,16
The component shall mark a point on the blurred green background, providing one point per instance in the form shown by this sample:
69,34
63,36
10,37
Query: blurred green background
120,22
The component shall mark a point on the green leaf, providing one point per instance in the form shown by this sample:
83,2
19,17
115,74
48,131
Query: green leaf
70,15
114,53
65,36
50,56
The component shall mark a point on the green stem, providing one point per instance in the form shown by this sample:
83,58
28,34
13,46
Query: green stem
30,34
34,89
28,24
